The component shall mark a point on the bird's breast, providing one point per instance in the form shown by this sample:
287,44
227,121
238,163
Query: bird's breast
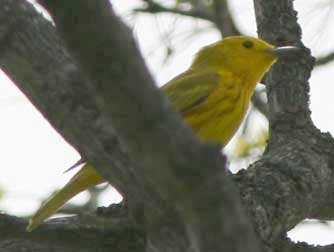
218,118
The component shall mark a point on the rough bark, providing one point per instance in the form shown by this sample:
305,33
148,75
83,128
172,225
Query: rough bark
82,233
292,181
286,245
165,183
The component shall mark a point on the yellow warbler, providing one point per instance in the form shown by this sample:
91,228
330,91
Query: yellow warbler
212,95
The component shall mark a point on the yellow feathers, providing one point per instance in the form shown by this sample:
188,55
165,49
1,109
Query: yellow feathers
212,95
83,179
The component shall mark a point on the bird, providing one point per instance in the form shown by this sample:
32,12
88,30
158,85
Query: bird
212,96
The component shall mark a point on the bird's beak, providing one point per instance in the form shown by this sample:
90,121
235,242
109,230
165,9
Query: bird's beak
284,51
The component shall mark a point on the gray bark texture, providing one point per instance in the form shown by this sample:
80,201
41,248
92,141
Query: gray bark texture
88,79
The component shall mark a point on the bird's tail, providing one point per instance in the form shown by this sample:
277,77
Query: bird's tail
83,179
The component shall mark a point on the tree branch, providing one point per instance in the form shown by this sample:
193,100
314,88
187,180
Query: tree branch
290,183
154,8
70,234
165,171
260,104
323,60
326,212
299,154
223,19
80,233
286,245
35,58
147,128
284,107
218,14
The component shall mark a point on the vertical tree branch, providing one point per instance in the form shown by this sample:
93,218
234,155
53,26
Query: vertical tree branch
287,83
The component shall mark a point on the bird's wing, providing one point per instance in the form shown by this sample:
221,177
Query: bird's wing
83,179
190,89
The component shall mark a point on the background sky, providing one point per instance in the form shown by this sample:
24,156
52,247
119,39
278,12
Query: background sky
34,156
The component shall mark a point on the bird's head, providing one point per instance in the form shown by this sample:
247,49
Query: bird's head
244,56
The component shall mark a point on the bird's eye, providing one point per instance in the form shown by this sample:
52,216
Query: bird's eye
247,44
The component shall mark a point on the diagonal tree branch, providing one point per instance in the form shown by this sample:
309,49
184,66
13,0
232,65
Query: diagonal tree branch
35,58
119,96
147,127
